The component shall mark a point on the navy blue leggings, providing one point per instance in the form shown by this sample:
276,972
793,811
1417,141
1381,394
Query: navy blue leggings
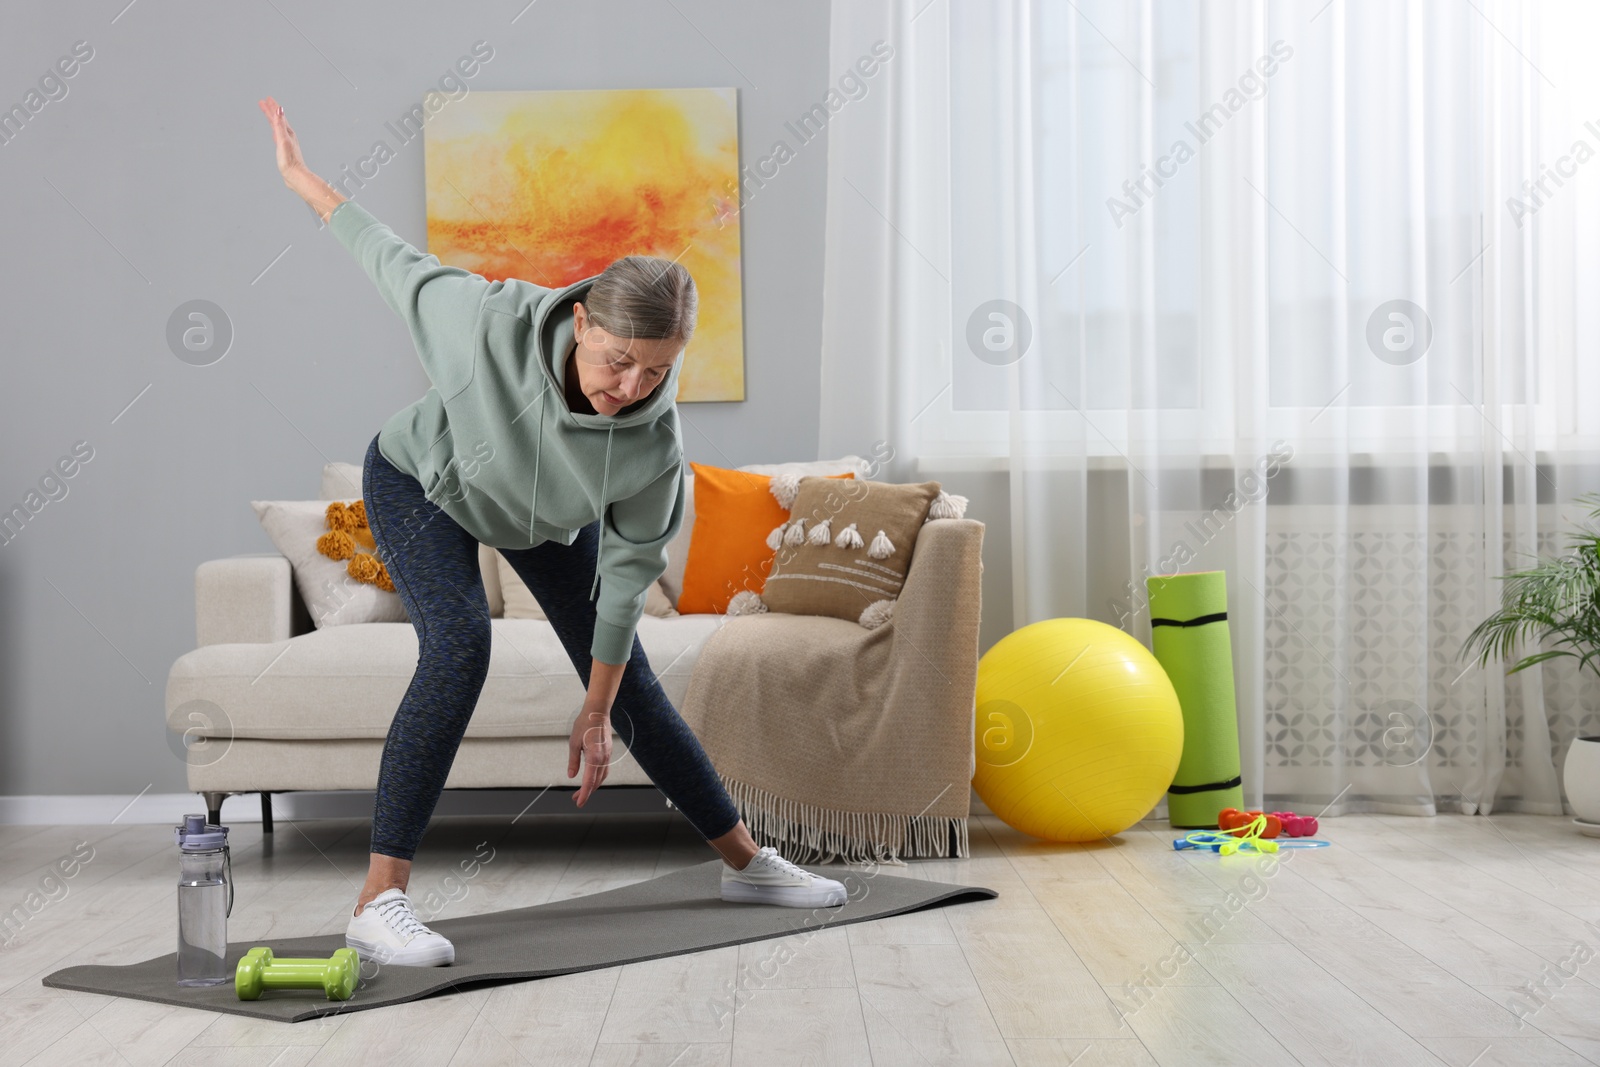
434,565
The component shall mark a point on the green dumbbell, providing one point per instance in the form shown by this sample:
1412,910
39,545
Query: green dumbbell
335,976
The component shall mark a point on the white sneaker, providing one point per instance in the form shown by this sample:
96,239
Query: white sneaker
387,930
771,879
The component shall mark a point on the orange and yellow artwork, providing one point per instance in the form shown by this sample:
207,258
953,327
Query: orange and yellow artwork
551,186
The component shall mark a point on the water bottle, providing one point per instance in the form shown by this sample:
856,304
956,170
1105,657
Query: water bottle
205,900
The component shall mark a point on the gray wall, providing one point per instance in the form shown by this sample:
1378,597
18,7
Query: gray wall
147,179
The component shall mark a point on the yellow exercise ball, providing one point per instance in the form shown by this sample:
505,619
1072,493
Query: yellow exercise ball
1079,731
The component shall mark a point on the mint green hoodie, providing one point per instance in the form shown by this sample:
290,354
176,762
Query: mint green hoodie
496,354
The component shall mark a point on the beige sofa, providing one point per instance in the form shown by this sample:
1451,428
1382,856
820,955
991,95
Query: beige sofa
272,704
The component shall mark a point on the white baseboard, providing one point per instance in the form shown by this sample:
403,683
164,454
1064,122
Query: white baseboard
155,808
89,810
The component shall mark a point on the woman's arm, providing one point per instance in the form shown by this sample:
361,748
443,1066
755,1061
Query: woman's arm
604,681
634,532
625,563
589,746
441,305
322,197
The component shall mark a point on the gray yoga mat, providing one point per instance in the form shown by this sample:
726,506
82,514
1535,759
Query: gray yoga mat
675,913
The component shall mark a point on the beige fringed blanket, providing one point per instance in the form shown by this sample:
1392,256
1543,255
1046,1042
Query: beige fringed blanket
839,742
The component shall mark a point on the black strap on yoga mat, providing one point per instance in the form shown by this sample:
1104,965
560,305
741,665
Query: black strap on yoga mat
1185,789
1221,616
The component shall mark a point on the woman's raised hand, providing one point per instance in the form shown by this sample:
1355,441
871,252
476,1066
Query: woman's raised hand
290,161
322,197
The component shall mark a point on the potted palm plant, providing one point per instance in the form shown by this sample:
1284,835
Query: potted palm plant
1553,607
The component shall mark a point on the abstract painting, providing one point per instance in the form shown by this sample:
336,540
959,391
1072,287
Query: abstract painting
551,186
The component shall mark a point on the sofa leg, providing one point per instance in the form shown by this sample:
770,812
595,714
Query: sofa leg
266,813
214,807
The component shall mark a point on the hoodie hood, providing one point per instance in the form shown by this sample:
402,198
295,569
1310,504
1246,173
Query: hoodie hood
555,327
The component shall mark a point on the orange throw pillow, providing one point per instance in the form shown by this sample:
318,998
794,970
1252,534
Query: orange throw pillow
734,511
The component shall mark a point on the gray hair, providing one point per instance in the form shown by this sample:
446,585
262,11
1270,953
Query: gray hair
644,297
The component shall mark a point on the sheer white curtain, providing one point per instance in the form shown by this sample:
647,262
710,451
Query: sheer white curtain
1256,287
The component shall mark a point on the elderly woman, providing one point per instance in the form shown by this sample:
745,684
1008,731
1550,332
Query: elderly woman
551,434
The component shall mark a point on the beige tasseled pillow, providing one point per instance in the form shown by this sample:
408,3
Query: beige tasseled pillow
846,548
520,603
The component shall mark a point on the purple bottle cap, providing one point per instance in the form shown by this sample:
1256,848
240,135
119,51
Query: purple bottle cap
196,835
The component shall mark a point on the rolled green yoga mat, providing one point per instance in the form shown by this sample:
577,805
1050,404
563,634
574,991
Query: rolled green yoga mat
1189,636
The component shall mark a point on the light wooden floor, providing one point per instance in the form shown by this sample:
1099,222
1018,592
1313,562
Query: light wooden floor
1406,942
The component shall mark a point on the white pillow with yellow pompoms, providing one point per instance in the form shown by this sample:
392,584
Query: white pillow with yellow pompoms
333,559
846,547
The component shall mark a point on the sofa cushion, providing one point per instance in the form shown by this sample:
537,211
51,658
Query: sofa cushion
520,602
847,549
327,588
347,681
342,481
818,468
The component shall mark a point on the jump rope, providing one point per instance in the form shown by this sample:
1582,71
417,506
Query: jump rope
1245,838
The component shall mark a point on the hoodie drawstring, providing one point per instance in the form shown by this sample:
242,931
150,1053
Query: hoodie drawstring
605,479
538,446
